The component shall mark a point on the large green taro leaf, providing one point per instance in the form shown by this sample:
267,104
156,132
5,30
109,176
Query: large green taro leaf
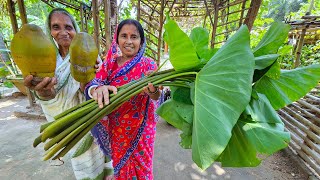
181,94
239,151
222,91
272,40
274,71
262,133
186,136
290,86
265,61
182,53
200,39
180,115
176,113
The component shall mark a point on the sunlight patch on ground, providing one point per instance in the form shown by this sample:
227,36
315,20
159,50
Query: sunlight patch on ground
8,118
9,158
6,103
219,171
179,166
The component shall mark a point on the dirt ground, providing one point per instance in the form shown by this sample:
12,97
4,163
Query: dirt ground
19,160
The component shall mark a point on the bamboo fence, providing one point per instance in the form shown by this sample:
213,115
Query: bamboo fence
302,120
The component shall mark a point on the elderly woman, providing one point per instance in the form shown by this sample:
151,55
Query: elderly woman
128,133
62,92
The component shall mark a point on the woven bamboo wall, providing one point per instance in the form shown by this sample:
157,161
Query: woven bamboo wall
302,120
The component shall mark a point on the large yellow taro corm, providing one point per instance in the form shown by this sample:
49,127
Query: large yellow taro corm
83,57
33,52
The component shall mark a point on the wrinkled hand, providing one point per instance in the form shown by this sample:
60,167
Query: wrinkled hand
44,88
152,91
101,94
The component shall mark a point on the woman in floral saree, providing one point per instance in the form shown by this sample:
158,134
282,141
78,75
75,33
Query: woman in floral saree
128,133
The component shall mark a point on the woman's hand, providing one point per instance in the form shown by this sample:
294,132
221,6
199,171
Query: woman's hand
152,91
101,94
98,64
44,88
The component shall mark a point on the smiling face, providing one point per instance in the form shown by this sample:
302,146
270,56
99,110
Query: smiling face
62,29
129,41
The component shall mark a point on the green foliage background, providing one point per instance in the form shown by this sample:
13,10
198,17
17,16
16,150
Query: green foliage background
269,11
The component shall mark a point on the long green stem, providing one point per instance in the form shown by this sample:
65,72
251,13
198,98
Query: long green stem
44,126
76,136
57,125
73,134
93,110
76,139
73,108
175,84
37,141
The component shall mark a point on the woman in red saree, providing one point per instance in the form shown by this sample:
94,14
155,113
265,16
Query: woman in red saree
128,133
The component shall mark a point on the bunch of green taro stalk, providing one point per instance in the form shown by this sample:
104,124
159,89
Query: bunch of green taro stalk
223,100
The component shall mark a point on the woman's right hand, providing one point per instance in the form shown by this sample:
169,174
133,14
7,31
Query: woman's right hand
44,88
101,94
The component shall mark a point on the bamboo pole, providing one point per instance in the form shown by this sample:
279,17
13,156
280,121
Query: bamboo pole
314,153
215,22
161,20
308,114
243,8
312,101
299,48
138,10
302,120
316,99
208,12
12,13
8,67
204,20
22,11
310,106
305,158
95,14
107,14
299,136
82,17
312,135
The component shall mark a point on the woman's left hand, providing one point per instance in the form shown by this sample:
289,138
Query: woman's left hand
98,64
152,91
